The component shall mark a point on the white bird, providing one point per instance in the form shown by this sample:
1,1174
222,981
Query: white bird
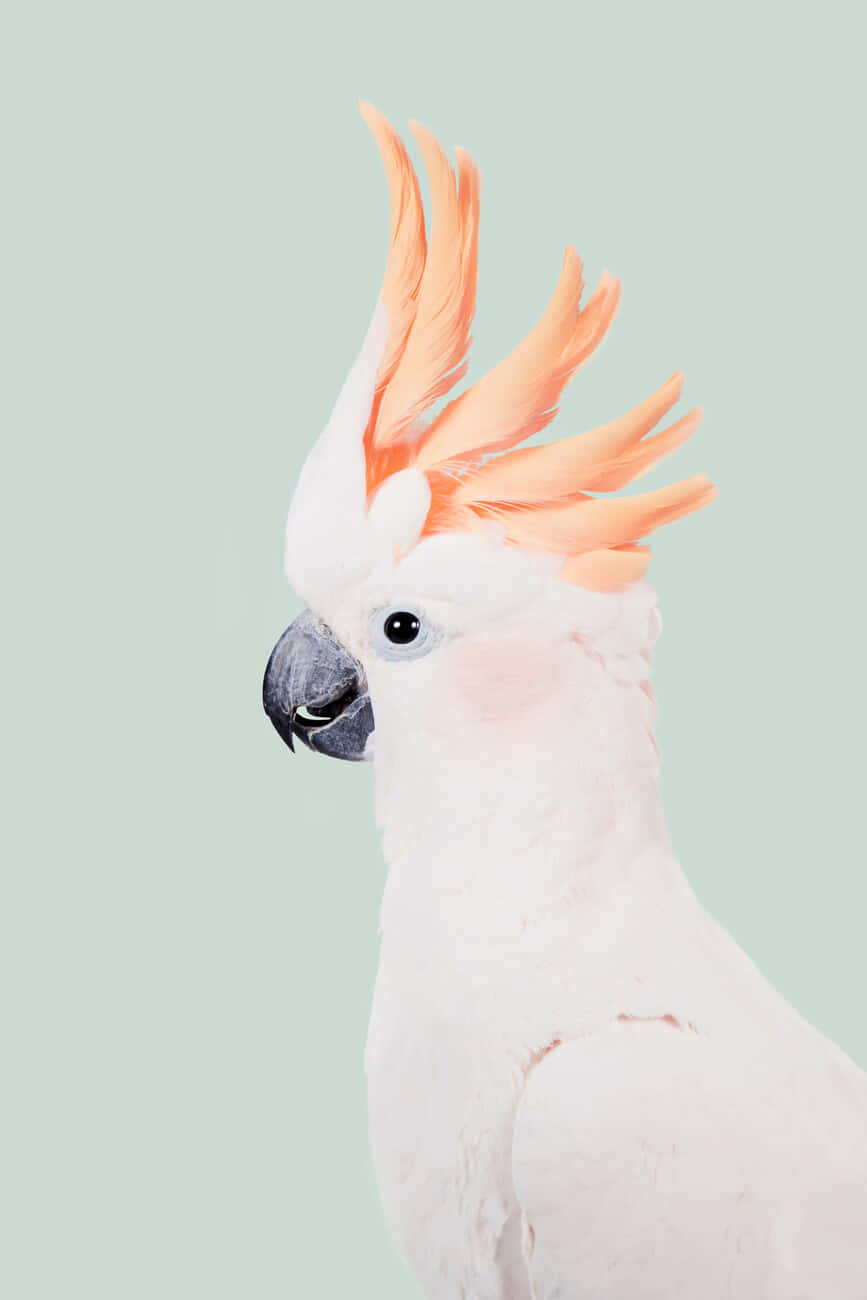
579,1087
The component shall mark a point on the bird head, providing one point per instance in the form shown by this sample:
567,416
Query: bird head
450,575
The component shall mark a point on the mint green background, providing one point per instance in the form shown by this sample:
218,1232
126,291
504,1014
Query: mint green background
195,224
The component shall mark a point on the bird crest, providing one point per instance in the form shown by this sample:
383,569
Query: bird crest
542,498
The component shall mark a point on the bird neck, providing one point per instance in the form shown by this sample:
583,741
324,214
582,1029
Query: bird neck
553,816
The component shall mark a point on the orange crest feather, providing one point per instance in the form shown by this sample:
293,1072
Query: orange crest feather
537,495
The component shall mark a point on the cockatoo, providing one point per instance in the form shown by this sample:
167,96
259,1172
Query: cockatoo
579,1087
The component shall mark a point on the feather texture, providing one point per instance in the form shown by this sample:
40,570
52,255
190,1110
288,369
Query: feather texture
433,358
540,495
597,461
407,247
607,569
584,523
519,396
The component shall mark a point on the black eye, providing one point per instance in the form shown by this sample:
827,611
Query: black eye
401,627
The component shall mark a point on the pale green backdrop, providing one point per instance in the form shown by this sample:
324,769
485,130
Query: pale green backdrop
194,231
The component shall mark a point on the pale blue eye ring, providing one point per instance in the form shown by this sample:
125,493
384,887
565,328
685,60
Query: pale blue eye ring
400,632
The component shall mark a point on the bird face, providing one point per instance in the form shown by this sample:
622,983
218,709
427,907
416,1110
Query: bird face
460,635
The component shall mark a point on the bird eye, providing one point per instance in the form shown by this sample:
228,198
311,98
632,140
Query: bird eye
402,627
400,633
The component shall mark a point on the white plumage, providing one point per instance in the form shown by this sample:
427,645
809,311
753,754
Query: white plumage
579,1086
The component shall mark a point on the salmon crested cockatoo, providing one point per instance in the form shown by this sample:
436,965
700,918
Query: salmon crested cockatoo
579,1087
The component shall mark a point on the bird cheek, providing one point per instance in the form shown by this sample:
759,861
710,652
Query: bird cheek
499,681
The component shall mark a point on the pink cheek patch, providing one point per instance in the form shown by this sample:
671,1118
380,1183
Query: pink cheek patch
501,680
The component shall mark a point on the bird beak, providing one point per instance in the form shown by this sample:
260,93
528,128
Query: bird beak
314,689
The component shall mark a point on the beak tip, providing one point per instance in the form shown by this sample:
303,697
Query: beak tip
280,718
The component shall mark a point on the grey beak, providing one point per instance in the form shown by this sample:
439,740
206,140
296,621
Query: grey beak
314,689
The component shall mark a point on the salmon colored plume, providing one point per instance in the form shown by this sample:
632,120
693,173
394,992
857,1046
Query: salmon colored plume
538,496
